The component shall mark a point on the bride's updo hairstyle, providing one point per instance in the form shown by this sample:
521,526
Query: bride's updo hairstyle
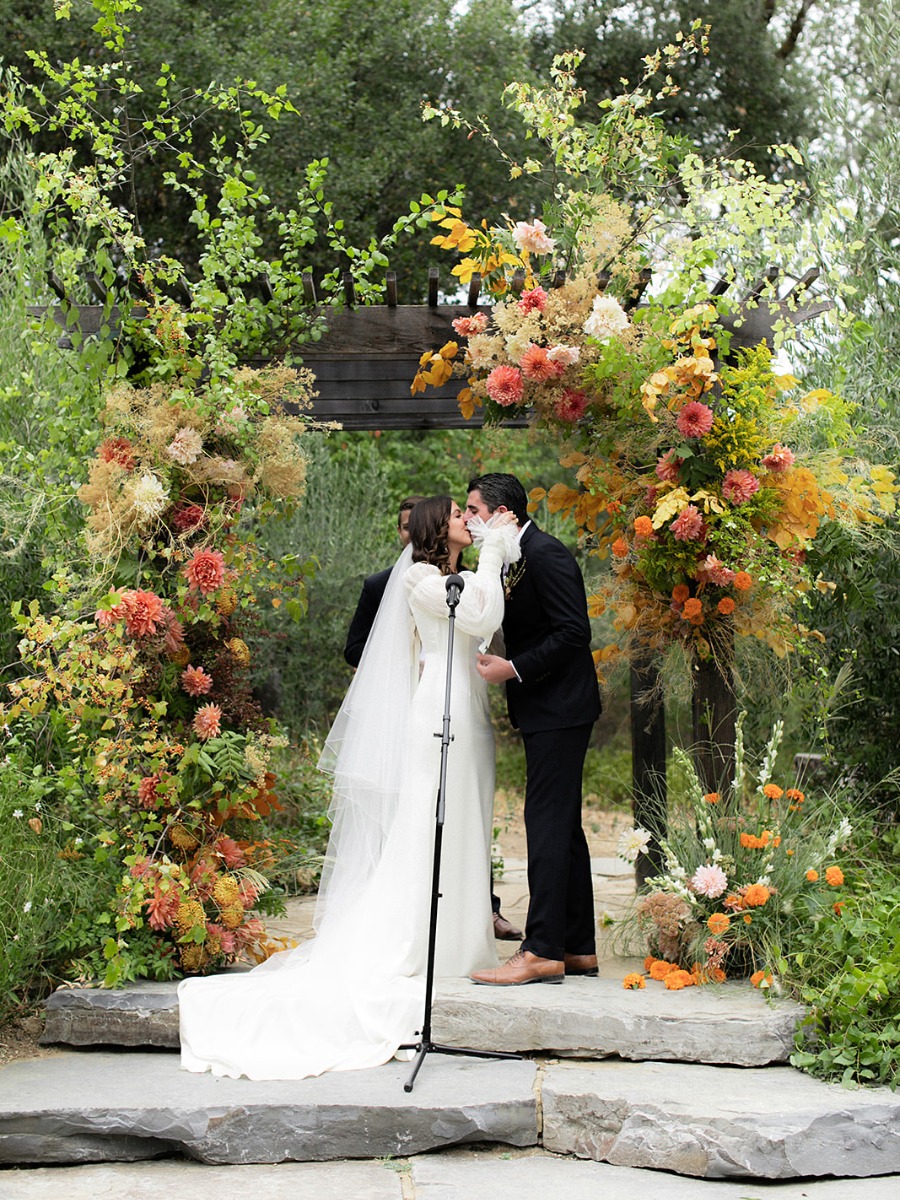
429,524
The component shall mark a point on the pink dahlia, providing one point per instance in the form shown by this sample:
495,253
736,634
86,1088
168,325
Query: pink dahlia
195,681
147,791
535,299
532,238
564,356
106,617
230,853
695,420
471,326
206,571
187,517
537,365
739,485
207,721
571,404
174,632
143,612
668,466
709,881
118,450
162,907
505,386
779,458
688,526
713,570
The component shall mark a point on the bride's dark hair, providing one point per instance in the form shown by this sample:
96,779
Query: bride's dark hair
429,524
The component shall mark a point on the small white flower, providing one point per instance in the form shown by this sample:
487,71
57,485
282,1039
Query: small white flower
709,843
17,813
37,806
148,495
26,907
79,841
632,843
607,319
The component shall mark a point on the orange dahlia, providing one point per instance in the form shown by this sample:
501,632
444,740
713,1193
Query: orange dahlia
207,721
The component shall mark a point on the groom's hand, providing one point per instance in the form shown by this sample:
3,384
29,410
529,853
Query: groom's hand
494,669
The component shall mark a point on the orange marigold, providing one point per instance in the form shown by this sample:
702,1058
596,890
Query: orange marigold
812,875
773,791
693,610
676,980
718,922
680,593
648,962
796,795
761,979
633,981
756,895
726,606
712,797
834,876
643,527
742,581
620,548
659,968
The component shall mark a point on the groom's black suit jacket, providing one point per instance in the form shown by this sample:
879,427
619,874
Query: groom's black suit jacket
547,636
370,597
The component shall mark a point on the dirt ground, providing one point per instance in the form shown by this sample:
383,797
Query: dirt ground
601,827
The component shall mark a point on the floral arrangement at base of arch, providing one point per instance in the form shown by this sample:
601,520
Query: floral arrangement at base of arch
736,886
149,662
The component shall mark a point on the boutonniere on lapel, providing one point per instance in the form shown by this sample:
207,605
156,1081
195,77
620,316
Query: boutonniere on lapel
512,575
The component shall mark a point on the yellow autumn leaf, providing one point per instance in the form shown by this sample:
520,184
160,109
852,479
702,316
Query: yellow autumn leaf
575,459
596,605
669,506
784,383
448,350
709,500
561,498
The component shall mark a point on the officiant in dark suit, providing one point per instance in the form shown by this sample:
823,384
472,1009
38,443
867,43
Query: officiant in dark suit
553,699
372,592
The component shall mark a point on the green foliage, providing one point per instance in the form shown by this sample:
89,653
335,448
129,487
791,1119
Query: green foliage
848,975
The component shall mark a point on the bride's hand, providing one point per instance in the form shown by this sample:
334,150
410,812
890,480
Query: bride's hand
498,520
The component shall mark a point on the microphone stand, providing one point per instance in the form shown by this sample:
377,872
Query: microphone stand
454,585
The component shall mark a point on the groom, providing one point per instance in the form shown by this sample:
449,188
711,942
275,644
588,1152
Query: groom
553,699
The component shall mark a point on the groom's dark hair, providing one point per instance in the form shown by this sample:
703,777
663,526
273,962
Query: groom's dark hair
497,489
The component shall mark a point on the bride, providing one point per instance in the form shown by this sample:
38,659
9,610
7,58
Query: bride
353,995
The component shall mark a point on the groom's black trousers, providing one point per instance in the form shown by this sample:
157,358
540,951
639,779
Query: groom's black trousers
561,896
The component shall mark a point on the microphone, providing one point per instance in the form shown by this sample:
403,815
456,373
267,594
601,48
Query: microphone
454,585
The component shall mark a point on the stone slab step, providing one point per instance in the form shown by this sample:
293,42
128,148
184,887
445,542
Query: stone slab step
584,1018
456,1174
103,1106
708,1122
719,1122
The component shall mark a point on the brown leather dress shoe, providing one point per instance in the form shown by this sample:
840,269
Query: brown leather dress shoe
523,967
582,964
504,931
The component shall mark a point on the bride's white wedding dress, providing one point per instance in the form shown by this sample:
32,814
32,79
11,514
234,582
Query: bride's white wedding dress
355,993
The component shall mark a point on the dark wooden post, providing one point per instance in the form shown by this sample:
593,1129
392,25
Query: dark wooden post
648,759
714,712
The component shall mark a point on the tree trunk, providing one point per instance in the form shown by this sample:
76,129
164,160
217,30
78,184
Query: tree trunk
714,711
648,751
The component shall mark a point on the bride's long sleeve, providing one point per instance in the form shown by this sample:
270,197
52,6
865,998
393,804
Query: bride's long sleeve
480,608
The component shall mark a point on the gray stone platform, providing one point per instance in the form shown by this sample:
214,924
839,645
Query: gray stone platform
710,1122
457,1174
586,1018
105,1106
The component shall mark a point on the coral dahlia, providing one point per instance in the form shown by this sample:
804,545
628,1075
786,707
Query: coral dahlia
195,681
505,386
695,420
739,485
207,721
206,571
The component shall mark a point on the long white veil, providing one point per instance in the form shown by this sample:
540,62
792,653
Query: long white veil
366,751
